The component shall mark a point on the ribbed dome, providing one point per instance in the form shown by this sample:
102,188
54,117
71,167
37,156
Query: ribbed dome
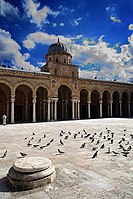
57,47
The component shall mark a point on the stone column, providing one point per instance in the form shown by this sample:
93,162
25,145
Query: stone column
7,110
40,111
73,109
66,111
26,109
48,110
78,109
55,109
52,109
129,112
120,103
89,108
100,102
44,109
34,109
111,102
12,108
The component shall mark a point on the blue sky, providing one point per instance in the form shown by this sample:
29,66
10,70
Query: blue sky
98,34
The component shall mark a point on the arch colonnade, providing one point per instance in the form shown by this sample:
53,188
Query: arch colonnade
22,103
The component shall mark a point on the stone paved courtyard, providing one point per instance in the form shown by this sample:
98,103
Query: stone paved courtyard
79,176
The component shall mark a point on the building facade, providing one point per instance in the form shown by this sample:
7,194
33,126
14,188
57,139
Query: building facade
57,92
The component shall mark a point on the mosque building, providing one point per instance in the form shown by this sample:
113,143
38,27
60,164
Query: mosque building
58,93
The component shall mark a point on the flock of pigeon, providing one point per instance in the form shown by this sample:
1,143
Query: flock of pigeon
97,141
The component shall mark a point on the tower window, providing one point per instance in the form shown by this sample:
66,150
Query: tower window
72,73
55,71
64,60
49,58
56,60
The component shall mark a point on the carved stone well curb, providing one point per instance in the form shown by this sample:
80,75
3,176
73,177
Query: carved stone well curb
31,172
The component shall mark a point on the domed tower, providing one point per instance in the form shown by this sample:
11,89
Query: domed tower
58,60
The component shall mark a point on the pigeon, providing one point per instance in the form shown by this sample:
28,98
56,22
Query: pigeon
120,146
75,136
95,154
131,136
82,146
61,134
23,154
69,132
48,144
92,140
29,144
108,150
41,147
129,148
94,148
39,140
25,138
86,136
4,154
84,131
61,142
52,140
102,146
35,145
100,135
66,137
125,129
98,141
115,153
120,142
61,152
112,134
44,136
33,133
111,141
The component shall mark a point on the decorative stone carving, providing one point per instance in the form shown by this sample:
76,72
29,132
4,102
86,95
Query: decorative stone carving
31,172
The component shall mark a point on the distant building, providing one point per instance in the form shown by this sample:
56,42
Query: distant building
57,92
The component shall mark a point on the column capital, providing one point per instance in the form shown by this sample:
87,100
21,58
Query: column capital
100,101
89,101
13,97
34,101
54,99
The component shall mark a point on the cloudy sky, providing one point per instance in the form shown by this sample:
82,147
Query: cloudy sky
98,34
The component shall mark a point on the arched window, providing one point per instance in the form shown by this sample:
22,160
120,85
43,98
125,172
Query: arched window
65,61
55,71
72,73
49,58
56,60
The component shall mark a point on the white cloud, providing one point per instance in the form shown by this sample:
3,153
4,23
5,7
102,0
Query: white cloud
109,64
61,24
54,25
113,12
10,50
115,19
36,15
41,63
43,38
63,10
7,10
130,27
75,22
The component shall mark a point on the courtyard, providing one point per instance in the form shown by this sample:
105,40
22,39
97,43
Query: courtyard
79,173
